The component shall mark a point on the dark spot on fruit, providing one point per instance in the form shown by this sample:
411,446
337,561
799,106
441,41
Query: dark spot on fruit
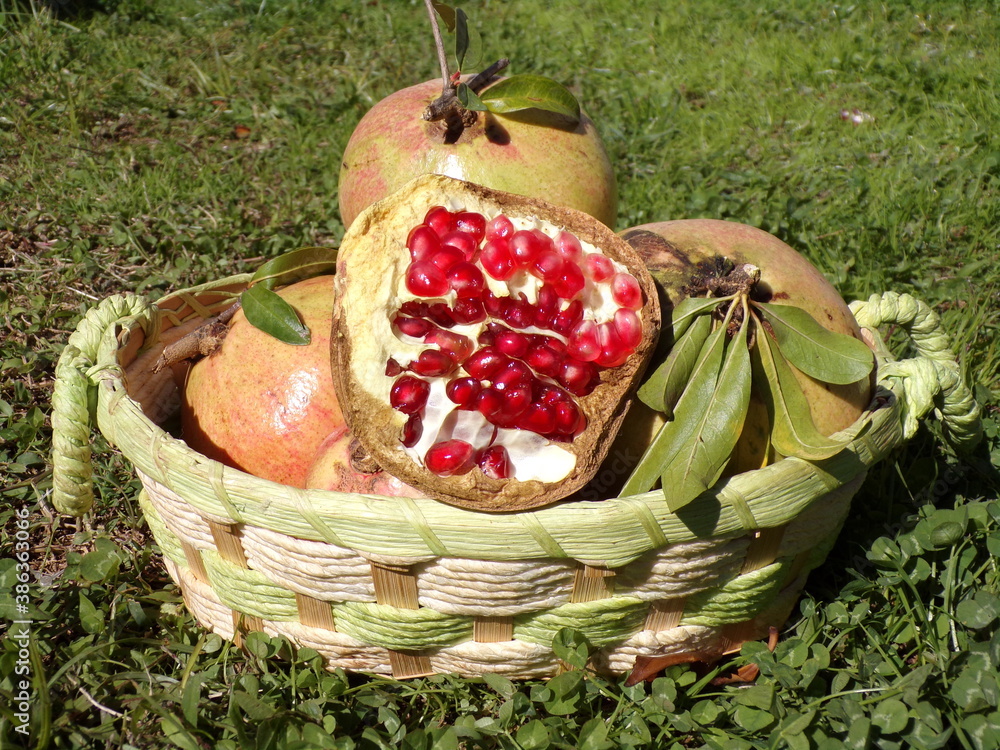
829,316
495,132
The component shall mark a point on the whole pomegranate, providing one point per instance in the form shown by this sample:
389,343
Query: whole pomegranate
530,152
486,345
679,252
342,466
264,406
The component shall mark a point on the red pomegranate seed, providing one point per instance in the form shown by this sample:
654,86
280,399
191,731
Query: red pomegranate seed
423,243
432,363
495,462
569,247
583,342
571,281
485,362
569,418
598,267
440,219
447,257
412,430
393,368
463,241
540,418
547,266
551,342
517,313
424,279
543,360
578,377
409,394
499,228
494,305
471,223
449,457
625,291
415,308
469,310
516,400
613,351
466,279
629,327
416,327
441,314
490,403
514,375
525,245
511,343
463,391
568,319
497,259
455,345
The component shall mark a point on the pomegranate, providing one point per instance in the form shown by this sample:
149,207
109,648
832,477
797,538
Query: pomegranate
531,152
261,405
678,252
487,345
342,466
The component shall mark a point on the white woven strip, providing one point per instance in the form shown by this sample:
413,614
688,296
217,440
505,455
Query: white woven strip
178,515
680,640
510,658
683,569
202,602
480,587
316,569
339,649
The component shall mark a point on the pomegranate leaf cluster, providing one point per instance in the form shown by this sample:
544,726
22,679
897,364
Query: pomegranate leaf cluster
723,348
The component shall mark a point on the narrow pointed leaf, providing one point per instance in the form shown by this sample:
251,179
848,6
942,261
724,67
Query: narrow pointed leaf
686,311
793,432
820,353
294,266
527,91
663,448
469,98
273,315
661,391
461,37
447,14
716,425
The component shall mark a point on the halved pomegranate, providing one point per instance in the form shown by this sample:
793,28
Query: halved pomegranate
486,345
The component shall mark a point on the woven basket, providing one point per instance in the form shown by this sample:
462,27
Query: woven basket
408,587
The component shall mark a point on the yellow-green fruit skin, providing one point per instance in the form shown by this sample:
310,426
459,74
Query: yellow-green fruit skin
264,406
534,153
672,250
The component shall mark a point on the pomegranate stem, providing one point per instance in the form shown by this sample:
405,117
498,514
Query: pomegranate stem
447,85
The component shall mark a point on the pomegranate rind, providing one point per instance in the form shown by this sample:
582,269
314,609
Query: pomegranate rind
372,258
672,250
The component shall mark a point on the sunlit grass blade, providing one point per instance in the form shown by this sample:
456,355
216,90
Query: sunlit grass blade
819,352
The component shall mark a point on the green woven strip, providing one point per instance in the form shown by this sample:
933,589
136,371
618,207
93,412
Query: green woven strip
738,600
420,525
248,591
167,540
603,622
400,629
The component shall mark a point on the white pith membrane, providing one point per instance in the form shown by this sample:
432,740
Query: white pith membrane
532,456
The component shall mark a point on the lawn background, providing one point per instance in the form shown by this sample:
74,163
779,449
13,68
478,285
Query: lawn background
151,146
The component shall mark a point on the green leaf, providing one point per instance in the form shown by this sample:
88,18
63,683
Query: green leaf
528,91
661,391
446,12
273,315
469,99
567,690
91,618
461,37
572,647
295,266
820,353
688,310
890,716
793,432
533,736
707,431
700,387
594,735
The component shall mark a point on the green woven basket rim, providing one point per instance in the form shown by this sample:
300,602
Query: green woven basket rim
610,533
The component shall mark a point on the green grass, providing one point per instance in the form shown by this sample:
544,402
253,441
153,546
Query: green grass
121,169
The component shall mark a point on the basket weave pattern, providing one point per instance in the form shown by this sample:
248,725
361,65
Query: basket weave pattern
406,586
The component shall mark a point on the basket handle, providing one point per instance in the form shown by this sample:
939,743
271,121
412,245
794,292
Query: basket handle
933,378
74,400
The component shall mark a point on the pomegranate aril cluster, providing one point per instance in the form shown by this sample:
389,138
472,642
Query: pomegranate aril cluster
522,362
